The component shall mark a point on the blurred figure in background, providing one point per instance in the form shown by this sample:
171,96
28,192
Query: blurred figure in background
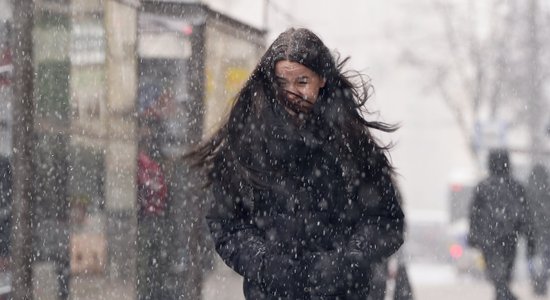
538,191
403,289
379,280
384,272
498,215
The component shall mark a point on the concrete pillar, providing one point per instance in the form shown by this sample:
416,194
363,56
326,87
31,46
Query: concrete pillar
120,19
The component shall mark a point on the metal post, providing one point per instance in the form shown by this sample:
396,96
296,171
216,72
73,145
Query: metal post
194,207
23,116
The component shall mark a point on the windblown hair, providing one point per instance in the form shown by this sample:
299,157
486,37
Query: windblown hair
338,113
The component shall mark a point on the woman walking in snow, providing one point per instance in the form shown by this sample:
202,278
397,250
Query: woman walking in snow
304,197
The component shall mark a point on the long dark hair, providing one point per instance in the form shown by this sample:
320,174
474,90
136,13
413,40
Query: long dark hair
338,113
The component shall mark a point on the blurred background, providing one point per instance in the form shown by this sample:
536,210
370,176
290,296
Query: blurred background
113,77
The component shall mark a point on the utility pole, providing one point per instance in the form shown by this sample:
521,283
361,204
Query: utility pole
534,101
23,123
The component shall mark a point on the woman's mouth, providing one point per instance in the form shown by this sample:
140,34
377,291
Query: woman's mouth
296,103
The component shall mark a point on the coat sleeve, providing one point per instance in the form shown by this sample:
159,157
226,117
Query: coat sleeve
474,238
379,233
237,240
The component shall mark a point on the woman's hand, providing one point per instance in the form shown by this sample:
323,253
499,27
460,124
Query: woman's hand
329,274
282,275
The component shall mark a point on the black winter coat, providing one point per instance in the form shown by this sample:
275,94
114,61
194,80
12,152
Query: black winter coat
499,211
309,228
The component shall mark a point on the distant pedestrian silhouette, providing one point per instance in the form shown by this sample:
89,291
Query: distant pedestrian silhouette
498,216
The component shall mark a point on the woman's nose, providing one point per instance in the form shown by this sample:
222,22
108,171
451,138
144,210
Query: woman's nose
291,92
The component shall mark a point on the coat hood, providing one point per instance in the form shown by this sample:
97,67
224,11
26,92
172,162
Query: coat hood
499,162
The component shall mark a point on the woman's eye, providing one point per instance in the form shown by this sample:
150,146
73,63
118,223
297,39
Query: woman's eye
281,83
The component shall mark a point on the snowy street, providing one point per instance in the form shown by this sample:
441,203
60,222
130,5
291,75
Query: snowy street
430,282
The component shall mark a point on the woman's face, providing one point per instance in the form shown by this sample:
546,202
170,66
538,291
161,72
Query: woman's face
299,86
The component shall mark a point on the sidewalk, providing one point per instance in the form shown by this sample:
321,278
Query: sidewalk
223,283
83,287
479,290
428,284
